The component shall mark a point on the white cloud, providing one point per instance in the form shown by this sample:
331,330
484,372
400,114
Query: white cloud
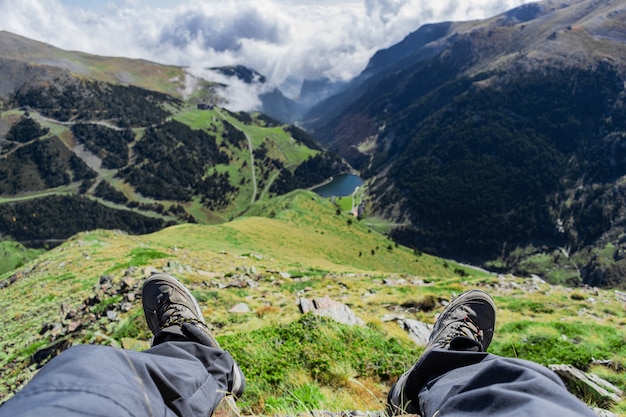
284,40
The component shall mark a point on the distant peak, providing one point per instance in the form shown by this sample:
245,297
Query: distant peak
245,74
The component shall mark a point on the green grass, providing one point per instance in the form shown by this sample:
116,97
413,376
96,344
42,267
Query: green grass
140,257
296,363
319,352
558,342
14,255
344,203
197,119
281,145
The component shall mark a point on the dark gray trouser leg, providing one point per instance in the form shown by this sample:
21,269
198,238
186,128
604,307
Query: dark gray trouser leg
459,383
174,378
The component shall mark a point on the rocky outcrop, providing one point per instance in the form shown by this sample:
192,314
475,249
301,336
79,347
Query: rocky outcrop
588,386
110,298
418,331
329,308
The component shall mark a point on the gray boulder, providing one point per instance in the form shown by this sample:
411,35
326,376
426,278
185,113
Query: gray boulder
585,385
418,331
329,308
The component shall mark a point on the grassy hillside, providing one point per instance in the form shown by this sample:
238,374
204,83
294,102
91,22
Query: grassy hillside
136,143
13,256
158,163
293,246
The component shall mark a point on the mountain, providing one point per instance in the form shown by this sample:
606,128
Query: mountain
93,142
78,152
273,102
292,247
24,60
498,141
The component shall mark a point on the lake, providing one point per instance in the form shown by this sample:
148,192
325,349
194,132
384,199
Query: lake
340,186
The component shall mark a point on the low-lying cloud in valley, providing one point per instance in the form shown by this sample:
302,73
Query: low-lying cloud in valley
286,41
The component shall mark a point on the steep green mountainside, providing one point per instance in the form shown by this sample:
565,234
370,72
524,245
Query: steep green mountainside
500,141
81,154
87,290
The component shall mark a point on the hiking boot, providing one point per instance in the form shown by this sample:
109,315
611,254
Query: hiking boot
471,315
466,324
168,305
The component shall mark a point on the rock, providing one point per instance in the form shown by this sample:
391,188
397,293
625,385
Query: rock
74,326
65,309
111,315
208,274
337,311
149,270
418,331
285,275
603,413
391,317
240,308
71,314
92,301
587,385
238,283
105,280
306,305
126,285
50,351
126,306
8,281
56,330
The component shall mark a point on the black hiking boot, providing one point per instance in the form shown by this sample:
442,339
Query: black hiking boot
472,315
168,306
466,324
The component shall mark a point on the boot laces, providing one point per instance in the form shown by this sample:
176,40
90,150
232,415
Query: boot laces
462,328
176,314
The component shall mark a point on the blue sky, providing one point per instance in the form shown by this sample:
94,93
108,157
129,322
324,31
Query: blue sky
285,40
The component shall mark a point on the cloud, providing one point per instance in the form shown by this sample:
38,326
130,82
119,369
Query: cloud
284,40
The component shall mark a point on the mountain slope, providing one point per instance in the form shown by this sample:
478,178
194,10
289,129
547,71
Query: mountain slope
499,141
77,140
87,291
26,55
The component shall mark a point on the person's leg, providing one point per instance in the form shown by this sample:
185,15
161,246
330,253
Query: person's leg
184,373
489,385
173,378
455,376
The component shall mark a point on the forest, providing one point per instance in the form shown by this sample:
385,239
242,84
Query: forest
495,165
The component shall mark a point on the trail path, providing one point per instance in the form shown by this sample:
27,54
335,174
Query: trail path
255,188
251,149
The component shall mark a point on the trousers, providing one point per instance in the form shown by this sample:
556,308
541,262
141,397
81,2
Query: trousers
173,378
186,378
468,383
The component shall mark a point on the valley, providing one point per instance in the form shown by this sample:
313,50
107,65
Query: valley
486,154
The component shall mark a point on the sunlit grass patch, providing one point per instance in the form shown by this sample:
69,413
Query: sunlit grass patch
324,351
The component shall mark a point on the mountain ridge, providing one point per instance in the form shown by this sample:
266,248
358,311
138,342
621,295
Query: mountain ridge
145,74
440,131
